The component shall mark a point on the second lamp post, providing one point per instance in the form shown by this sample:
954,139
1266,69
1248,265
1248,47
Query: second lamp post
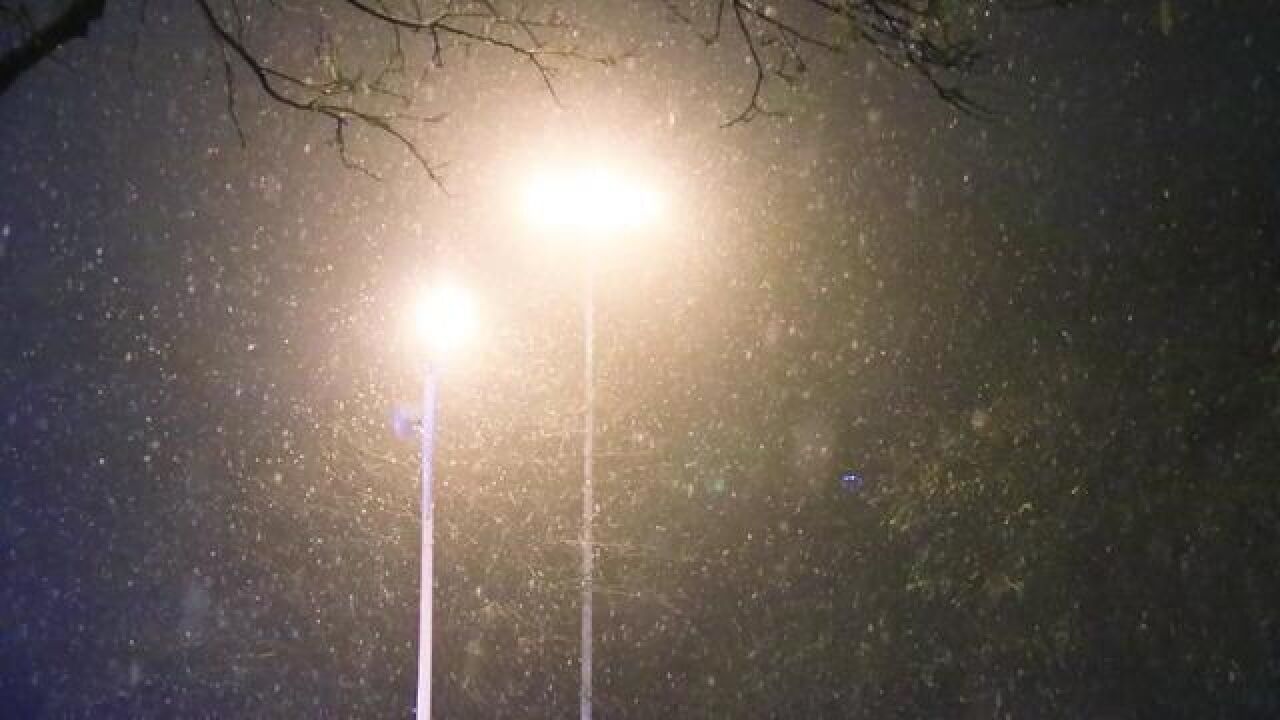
589,205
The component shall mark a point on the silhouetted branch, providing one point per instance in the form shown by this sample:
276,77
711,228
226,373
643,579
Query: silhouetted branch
448,22
229,80
357,97
324,99
935,40
930,38
753,107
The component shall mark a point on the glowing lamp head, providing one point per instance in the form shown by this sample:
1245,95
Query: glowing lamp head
444,319
590,200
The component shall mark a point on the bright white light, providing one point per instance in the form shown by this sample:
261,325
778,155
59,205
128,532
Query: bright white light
590,200
444,318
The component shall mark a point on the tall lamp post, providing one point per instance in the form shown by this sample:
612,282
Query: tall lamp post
444,319
589,205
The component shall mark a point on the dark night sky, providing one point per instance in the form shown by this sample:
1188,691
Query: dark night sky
205,514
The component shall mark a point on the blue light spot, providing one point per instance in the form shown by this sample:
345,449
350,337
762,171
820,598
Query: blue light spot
405,422
851,482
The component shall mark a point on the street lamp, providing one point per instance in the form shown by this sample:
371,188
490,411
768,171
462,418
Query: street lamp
589,202
444,319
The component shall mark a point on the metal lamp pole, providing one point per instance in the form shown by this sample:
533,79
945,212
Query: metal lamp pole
588,501
445,319
426,591
588,200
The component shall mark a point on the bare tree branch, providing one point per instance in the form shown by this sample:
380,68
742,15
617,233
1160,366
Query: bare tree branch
318,101
936,40
357,97
228,75
449,23
753,107
933,39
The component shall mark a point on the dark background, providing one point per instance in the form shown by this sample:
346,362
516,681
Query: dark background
1048,341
